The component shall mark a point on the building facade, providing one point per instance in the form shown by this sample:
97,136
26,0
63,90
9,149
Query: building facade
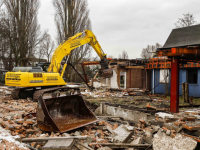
160,68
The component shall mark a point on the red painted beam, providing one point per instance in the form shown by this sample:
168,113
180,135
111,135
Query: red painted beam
174,100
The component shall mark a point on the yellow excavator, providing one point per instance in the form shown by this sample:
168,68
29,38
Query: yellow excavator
58,113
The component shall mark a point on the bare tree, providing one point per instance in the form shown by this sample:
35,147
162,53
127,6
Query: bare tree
72,16
46,48
150,51
5,54
186,21
40,52
23,32
124,55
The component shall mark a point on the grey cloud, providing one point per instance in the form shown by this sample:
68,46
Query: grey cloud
128,24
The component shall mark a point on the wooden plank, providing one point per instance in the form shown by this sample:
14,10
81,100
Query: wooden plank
183,92
52,138
108,117
81,146
136,67
186,93
121,145
109,129
128,137
59,144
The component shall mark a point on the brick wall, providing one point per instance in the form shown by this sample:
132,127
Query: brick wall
134,78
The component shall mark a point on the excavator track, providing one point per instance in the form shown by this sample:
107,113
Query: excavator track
15,93
39,93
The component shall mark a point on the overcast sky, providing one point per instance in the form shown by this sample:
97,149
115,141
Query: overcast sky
128,25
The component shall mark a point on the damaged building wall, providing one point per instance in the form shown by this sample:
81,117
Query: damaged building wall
134,78
128,114
158,86
111,82
127,74
189,75
121,78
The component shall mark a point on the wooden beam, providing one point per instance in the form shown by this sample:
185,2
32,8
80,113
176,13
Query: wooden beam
121,145
179,51
90,63
128,137
52,138
134,67
81,146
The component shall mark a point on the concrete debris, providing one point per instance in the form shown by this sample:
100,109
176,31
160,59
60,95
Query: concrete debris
139,140
164,115
163,142
104,93
120,133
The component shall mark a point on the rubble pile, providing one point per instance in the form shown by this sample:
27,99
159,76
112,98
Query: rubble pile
104,93
9,142
17,118
4,91
19,130
164,142
110,92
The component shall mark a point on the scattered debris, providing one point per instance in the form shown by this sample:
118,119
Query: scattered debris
179,142
119,125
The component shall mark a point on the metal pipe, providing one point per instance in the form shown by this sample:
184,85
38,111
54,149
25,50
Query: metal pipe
80,76
84,73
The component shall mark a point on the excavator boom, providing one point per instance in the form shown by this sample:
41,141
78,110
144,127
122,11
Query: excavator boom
64,49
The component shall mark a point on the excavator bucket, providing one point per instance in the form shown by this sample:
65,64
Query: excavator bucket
106,73
62,114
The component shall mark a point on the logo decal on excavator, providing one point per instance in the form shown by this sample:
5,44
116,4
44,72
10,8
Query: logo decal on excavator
36,81
52,78
14,77
75,44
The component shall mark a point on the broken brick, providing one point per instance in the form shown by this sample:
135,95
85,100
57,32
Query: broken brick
19,121
30,131
191,119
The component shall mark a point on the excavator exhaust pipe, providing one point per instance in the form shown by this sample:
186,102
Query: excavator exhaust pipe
62,114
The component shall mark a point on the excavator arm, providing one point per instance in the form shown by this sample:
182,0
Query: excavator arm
64,49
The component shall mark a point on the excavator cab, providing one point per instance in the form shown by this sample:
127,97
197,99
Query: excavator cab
44,66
